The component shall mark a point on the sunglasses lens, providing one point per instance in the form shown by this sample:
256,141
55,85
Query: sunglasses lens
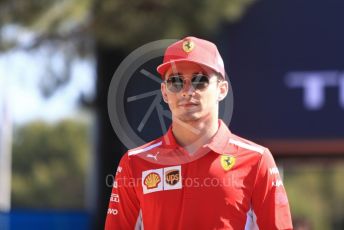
175,84
200,82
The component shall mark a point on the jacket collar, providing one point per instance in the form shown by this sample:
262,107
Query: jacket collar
219,143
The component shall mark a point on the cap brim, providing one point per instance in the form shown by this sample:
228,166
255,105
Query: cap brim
165,66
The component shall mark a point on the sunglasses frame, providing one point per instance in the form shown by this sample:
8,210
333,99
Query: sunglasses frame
194,76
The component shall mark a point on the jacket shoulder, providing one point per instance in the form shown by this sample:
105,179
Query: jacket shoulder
145,147
247,144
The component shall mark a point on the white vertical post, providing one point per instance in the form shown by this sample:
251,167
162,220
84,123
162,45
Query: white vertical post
5,149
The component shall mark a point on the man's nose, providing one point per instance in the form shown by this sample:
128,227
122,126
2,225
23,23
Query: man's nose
187,90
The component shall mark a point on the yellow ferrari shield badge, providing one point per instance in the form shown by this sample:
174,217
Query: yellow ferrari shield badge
227,162
188,46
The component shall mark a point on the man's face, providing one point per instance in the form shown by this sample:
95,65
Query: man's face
191,104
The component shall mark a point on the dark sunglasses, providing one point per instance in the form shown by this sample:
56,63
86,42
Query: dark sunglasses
176,83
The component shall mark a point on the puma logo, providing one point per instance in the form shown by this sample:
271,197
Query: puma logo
153,156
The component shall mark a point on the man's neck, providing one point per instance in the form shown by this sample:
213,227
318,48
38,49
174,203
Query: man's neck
194,134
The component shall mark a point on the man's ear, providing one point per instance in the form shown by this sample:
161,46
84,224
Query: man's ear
223,90
163,92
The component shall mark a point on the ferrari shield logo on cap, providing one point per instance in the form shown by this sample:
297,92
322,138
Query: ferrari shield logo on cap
188,46
227,162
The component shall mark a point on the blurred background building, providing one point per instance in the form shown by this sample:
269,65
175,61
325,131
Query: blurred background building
58,149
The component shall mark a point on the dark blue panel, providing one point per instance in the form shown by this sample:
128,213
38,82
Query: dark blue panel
32,219
277,39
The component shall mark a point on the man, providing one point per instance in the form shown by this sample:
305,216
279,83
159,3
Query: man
198,175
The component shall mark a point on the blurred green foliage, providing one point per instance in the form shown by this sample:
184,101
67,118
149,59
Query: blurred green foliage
121,23
316,193
49,165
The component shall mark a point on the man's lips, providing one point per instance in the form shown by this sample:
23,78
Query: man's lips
188,104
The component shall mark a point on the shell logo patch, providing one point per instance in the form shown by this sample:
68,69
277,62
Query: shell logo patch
152,180
188,46
227,162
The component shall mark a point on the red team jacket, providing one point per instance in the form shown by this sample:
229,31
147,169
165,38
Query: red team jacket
231,183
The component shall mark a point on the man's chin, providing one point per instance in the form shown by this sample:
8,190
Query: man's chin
189,117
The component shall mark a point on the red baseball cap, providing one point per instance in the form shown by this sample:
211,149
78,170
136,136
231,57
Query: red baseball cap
192,49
